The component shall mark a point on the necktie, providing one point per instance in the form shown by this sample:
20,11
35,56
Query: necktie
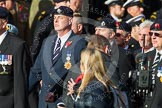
56,51
156,61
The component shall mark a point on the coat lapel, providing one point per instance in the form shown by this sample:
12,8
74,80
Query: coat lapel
48,50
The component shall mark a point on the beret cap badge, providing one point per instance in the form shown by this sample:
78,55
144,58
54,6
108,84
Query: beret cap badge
157,26
103,23
59,10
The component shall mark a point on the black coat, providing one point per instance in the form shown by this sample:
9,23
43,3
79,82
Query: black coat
155,100
122,63
13,86
95,96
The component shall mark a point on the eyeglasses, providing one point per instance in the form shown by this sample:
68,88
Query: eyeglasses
155,34
118,34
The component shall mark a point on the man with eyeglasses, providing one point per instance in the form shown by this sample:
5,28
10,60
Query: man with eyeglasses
153,63
122,38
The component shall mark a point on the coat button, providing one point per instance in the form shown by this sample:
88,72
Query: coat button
49,85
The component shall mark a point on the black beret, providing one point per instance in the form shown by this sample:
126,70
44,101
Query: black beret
130,3
107,23
124,26
58,1
4,13
157,25
63,10
113,2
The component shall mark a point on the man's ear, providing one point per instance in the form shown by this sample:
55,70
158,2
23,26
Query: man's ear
80,27
128,37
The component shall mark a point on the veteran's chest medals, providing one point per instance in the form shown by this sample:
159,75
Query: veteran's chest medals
4,61
68,64
159,73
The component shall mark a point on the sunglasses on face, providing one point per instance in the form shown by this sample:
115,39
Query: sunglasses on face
155,34
118,34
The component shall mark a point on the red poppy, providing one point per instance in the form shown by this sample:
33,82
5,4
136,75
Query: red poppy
68,44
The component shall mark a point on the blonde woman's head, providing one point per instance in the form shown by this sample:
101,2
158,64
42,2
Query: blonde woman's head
93,67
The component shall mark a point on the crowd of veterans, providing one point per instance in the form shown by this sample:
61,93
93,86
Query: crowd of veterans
71,58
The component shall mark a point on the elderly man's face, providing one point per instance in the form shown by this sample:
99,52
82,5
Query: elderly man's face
144,32
61,22
156,37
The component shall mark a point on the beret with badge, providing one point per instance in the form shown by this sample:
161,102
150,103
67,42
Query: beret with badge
4,13
63,10
107,23
124,26
157,25
130,3
113,2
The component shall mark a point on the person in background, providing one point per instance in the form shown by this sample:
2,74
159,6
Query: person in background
116,10
77,24
144,37
14,71
10,4
135,12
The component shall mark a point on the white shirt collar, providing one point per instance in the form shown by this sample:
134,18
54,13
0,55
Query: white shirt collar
2,37
115,18
64,38
152,48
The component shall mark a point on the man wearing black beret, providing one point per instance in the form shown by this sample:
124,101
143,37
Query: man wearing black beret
154,96
58,54
14,65
107,28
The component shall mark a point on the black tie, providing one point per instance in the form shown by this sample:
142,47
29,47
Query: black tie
56,51
154,65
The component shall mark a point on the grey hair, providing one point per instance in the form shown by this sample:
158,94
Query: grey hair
146,24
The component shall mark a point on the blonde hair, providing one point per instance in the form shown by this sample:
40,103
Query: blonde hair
94,68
